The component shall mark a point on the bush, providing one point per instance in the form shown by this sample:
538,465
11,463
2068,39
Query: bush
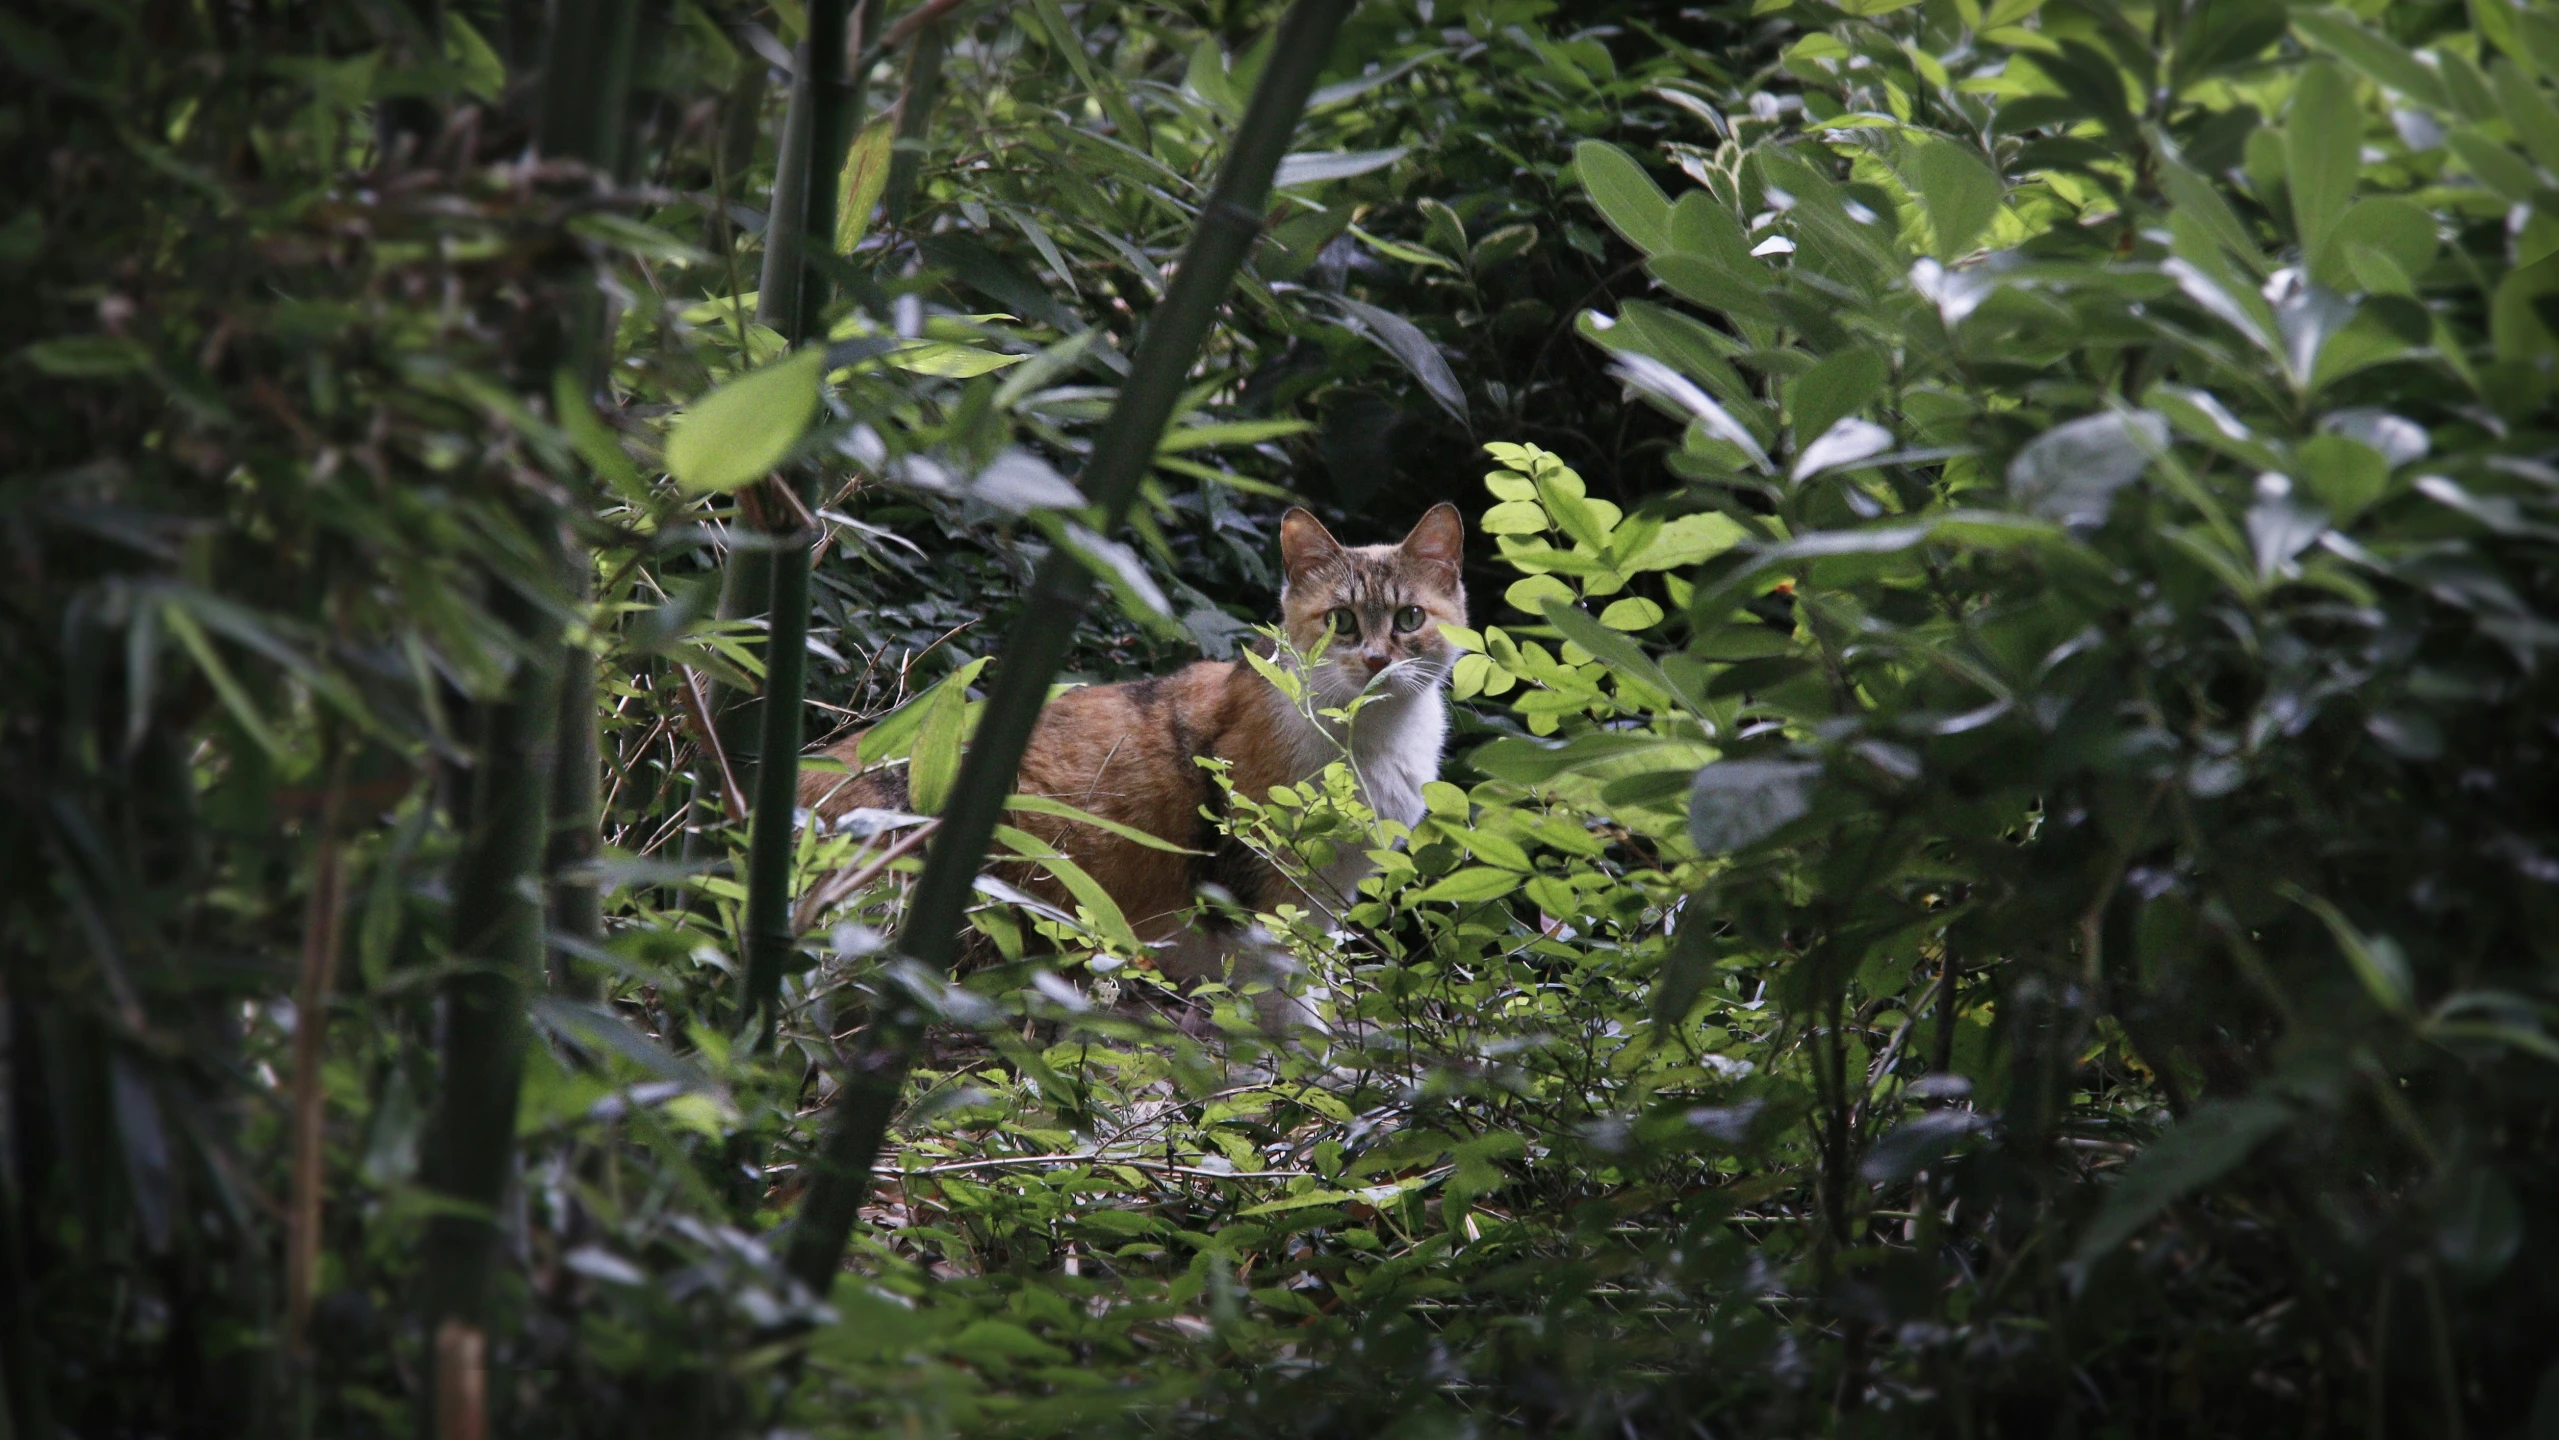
1994,872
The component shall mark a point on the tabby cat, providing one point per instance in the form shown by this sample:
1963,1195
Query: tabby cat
1127,752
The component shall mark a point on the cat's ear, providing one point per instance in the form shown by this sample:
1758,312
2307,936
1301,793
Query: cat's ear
1305,545
1440,537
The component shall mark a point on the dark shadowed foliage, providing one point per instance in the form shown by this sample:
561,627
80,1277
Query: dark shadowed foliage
1996,874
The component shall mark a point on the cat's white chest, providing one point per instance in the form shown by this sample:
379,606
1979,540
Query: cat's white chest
1394,751
1395,748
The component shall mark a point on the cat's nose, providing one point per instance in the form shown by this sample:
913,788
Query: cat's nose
1374,660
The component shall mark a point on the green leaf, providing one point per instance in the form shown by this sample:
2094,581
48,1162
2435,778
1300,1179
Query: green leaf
894,735
636,237
1738,292
2493,165
935,762
1508,243
1702,227
1292,245
2323,146
1627,198
2398,231
1124,575
1206,77
234,698
2377,57
1686,967
1514,517
1409,254
1088,892
1045,805
1837,387
1612,648
1532,593
1688,540
594,440
866,175
88,357
1632,613
2223,34
1231,432
2198,202
2516,319
2377,959
2189,1155
475,65
1472,885
736,434
2346,476
2529,111
1737,803
1405,341
1959,188
950,360
2071,472
1494,848
2495,22
1313,169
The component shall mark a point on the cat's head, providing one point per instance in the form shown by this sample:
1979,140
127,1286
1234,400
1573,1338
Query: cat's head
1383,604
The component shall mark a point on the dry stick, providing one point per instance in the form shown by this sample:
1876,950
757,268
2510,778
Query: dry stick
697,709
1120,459
320,935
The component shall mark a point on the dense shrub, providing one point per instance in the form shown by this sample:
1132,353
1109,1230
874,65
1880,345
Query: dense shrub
1994,876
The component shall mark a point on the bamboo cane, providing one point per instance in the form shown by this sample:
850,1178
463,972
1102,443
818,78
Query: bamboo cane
858,1120
498,908
773,832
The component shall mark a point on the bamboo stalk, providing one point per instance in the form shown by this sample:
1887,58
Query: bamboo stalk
586,116
914,123
577,901
498,908
834,97
470,1141
858,1121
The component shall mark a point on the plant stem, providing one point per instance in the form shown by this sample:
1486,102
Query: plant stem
470,1141
320,934
914,122
858,1121
498,907
773,834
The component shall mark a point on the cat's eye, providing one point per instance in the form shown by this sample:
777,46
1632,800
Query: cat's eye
1408,619
1345,623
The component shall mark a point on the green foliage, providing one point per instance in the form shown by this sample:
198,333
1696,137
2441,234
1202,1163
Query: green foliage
1995,874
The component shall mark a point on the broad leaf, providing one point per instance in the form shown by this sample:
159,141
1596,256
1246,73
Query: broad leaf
1737,803
736,434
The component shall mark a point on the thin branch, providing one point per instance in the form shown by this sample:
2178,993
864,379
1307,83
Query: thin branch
321,931
697,710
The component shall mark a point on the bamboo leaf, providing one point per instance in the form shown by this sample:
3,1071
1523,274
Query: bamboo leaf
1045,805
736,434
865,177
1088,892
935,761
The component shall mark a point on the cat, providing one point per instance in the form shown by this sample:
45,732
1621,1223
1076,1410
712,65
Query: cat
1370,614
